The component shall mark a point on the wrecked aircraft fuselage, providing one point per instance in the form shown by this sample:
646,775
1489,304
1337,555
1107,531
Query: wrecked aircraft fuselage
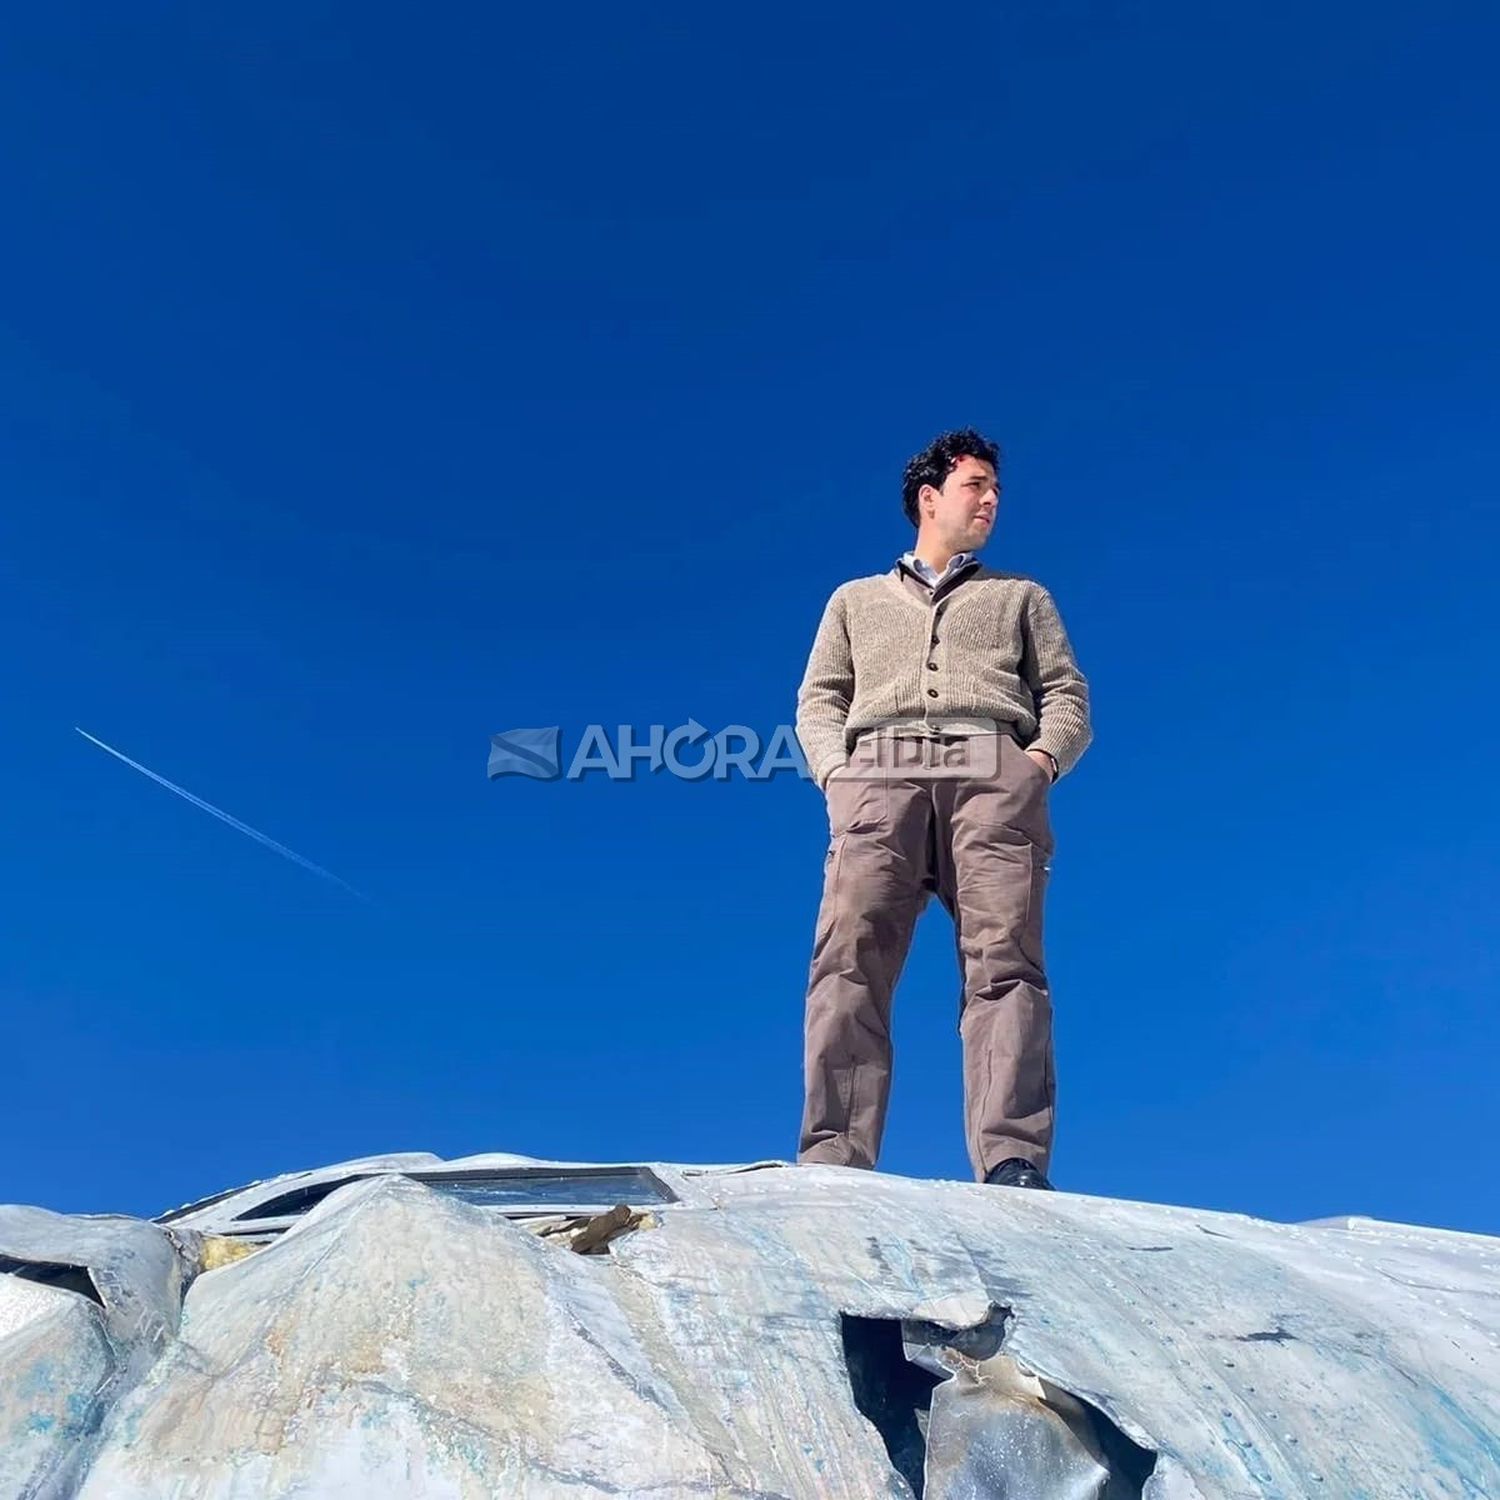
503,1326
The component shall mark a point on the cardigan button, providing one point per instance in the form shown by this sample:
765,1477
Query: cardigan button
932,692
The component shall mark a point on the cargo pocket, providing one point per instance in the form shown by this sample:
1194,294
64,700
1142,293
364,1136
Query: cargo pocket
1036,896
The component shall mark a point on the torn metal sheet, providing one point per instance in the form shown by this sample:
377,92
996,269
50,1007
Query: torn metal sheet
784,1331
995,1430
87,1304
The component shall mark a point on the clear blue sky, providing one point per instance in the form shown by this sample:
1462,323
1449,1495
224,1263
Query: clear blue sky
376,381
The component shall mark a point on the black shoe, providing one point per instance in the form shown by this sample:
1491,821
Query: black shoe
1016,1171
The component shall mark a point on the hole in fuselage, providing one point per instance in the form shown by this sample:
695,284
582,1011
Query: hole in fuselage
69,1278
890,1391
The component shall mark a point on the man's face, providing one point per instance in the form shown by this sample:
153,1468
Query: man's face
962,513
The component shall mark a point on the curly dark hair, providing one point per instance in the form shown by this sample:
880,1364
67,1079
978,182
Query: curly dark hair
935,463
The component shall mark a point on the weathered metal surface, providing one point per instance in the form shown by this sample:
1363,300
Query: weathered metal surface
396,1340
67,1356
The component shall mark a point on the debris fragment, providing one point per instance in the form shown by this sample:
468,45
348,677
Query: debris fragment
590,1234
223,1250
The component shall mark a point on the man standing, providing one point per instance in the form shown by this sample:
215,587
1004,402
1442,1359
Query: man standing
940,702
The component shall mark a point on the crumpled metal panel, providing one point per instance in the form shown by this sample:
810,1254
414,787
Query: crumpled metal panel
995,1432
397,1341
988,1437
400,1342
65,1357
1256,1358
53,1356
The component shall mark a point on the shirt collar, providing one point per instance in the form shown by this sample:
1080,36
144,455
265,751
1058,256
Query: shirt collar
928,574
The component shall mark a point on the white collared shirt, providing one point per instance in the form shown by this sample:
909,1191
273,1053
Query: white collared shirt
928,574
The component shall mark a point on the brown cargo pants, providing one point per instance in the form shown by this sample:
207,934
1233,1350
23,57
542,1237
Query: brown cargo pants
983,841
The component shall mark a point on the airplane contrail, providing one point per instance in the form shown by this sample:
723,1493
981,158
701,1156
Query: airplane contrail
224,817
